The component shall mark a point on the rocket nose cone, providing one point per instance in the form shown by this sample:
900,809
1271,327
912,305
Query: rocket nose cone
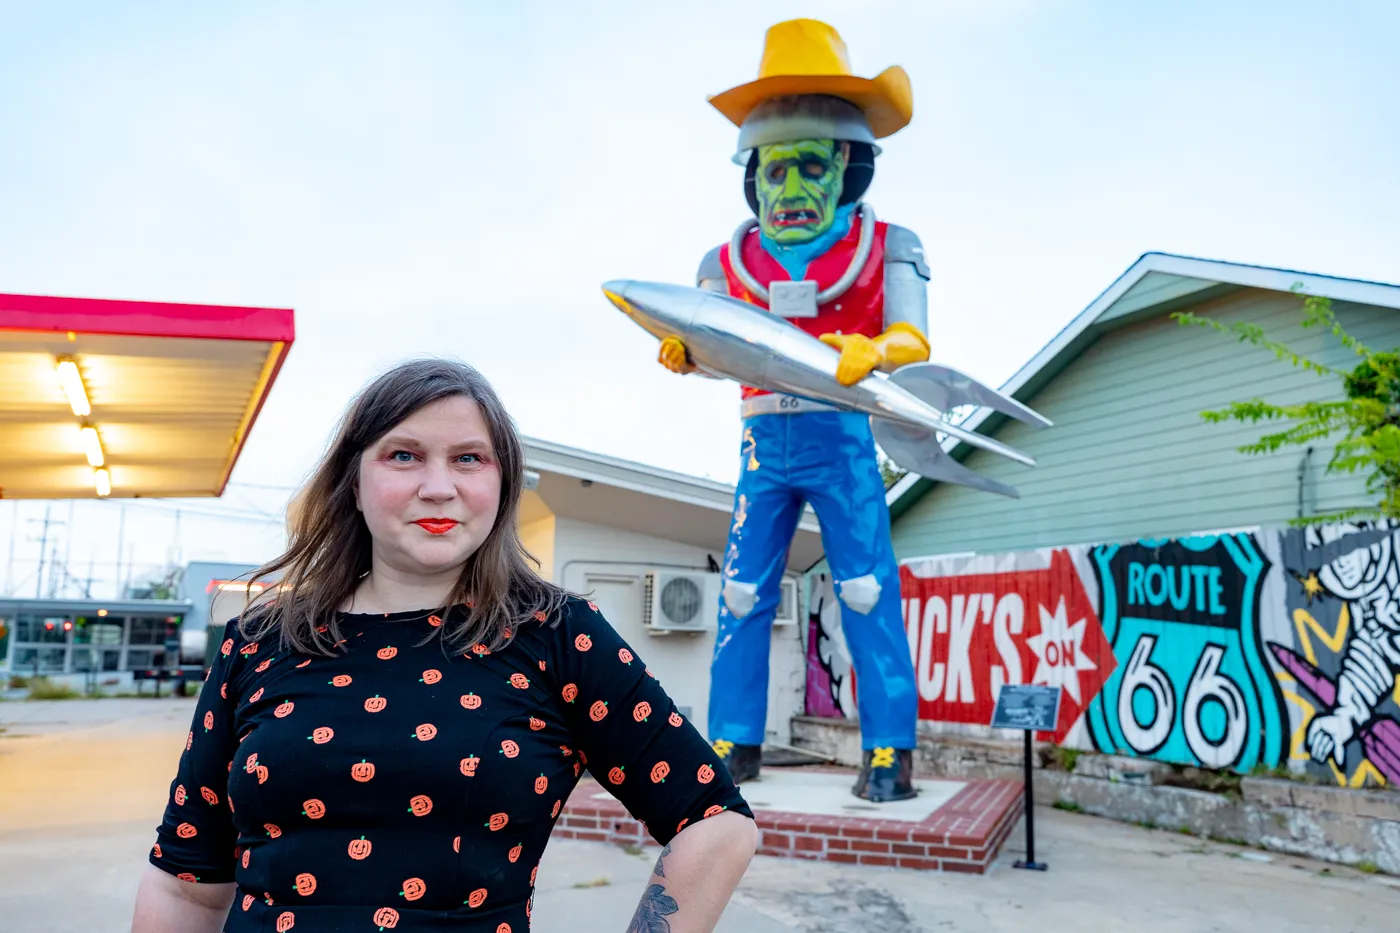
616,291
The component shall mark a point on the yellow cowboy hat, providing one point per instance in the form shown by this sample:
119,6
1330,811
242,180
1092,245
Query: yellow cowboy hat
805,56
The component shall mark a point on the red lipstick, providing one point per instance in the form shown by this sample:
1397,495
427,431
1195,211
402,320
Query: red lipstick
437,526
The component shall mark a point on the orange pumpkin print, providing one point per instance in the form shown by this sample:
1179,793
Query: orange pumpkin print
186,876
713,810
385,654
659,772
510,748
363,771
641,711
471,701
469,765
536,724
681,825
386,918
209,796
180,797
223,690
273,830
592,605
598,710
425,731
186,830
514,854
359,848
519,681
577,769
583,642
284,709
480,650
156,850
534,872
341,680
413,889
434,621
476,898
263,666
431,676
305,884
420,805
616,775
540,616
285,921
257,695
303,664
570,693
705,775
498,822
189,740
555,812
247,901
675,719
456,843
505,927
624,656
208,720
261,772
322,734
541,784
313,808
541,665
249,649
247,855
583,756
375,703
226,647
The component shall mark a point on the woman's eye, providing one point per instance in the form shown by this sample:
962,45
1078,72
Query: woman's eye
470,458
401,456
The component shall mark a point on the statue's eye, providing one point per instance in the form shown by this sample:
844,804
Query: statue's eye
775,172
814,168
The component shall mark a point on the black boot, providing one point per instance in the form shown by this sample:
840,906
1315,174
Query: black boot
886,774
742,761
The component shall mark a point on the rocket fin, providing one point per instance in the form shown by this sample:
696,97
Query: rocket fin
946,388
918,451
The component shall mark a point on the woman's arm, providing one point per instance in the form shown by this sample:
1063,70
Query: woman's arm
695,876
165,904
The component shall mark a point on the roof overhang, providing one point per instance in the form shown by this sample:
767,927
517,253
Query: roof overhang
590,487
1158,283
173,390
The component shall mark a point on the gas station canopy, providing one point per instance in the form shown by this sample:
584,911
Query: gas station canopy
130,398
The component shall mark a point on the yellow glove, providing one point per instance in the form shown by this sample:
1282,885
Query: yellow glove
900,345
674,357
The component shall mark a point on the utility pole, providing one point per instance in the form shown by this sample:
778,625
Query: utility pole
121,547
10,561
43,550
68,546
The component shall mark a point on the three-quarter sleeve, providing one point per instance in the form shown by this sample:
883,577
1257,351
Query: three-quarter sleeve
196,839
633,739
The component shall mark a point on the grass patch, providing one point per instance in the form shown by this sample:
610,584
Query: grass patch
18,683
41,688
595,883
1369,867
1068,806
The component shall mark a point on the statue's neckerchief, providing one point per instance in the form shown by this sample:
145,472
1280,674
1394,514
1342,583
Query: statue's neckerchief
798,256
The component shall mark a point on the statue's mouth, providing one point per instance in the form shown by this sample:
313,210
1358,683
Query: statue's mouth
798,218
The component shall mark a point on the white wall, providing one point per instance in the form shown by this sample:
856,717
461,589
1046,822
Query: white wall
612,565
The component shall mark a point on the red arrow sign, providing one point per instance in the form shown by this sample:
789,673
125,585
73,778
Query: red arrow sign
971,634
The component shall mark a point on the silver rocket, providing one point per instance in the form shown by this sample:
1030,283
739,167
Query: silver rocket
733,339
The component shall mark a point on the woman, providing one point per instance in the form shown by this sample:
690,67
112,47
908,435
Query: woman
387,744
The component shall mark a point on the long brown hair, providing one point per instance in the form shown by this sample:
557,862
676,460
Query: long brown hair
328,549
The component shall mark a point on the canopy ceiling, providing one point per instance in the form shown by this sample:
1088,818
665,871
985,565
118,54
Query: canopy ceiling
160,396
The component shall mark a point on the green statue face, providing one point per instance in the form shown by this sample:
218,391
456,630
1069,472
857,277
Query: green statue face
798,185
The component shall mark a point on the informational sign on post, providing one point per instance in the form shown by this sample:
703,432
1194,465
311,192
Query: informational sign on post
1031,708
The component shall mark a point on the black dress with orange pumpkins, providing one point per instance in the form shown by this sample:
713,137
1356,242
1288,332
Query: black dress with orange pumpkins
402,786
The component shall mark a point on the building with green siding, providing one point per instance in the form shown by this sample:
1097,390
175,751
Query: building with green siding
1129,455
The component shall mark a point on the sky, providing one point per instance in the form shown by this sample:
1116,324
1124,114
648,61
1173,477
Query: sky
458,178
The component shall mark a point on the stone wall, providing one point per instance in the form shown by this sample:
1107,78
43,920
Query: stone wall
1351,827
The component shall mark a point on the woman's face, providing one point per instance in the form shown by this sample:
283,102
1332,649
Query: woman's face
430,489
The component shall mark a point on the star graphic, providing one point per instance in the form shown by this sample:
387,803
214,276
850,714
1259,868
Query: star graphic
1059,647
1312,586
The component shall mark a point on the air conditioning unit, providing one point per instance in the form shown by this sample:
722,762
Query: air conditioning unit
680,601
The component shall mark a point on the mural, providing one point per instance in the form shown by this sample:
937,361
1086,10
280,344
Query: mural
1243,651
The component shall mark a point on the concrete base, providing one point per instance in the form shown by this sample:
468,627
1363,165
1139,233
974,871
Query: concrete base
810,813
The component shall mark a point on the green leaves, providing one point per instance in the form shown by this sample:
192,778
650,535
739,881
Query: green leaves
1368,417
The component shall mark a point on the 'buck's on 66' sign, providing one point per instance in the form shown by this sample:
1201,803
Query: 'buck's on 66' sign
971,633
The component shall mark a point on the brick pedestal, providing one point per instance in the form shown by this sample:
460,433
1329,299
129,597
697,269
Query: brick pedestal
964,834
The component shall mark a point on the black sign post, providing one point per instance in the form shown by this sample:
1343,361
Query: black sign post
1031,708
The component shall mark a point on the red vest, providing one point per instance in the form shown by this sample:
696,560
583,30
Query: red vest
861,310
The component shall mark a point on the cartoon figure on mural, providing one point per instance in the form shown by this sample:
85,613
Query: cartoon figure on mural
1354,677
817,256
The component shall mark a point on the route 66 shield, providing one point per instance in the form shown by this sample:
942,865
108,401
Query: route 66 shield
1191,686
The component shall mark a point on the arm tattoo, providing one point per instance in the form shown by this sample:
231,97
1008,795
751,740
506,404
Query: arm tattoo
656,904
